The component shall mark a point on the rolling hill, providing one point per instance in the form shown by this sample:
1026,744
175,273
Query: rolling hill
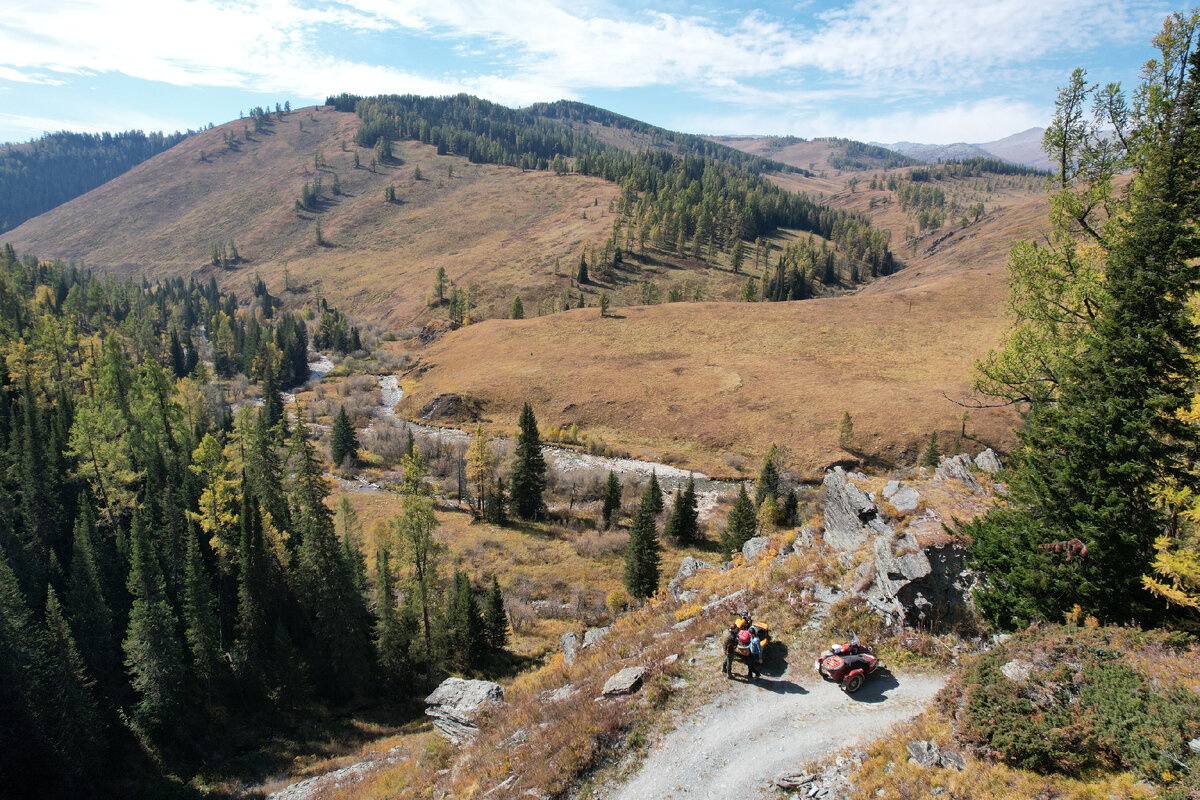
707,385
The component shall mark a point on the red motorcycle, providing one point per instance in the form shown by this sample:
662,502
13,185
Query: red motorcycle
848,664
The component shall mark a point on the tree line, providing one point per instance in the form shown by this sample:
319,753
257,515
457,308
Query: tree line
171,569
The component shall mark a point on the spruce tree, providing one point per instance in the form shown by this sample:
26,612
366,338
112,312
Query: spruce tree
153,652
642,553
932,454
253,622
495,506
495,620
582,277
88,608
689,527
529,470
201,626
1092,463
347,521
768,476
70,692
468,639
612,499
518,309
391,643
655,493
343,442
675,519
741,525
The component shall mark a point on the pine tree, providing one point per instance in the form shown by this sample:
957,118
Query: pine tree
88,608
343,439
518,309
742,524
1091,464
495,620
655,493
391,643
70,693
153,652
932,454
767,484
642,553
347,521
582,277
201,626
612,499
529,470
468,641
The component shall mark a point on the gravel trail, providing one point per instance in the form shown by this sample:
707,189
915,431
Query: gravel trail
736,745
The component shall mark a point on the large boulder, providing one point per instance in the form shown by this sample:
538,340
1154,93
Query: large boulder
627,681
593,636
457,704
687,568
906,500
851,518
753,548
988,461
958,468
570,646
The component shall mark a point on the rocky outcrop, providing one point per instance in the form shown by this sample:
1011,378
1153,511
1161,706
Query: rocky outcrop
928,754
851,518
899,577
451,409
988,461
593,636
753,548
687,568
457,704
906,499
627,681
958,468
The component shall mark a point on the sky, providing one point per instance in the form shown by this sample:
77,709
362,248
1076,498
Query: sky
935,71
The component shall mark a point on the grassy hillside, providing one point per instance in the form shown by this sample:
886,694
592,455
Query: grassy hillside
500,229
820,155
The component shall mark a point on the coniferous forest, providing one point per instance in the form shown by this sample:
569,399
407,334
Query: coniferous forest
49,171
170,567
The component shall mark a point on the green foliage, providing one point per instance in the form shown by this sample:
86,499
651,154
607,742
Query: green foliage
612,499
741,525
845,431
343,439
1082,707
767,484
655,493
932,454
59,166
518,309
643,552
529,469
1091,459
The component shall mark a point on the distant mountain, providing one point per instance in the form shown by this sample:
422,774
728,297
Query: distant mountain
1020,148
821,153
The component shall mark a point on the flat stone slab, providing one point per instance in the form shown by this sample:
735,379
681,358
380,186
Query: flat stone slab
627,681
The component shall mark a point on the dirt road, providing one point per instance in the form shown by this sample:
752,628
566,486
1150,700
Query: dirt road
753,732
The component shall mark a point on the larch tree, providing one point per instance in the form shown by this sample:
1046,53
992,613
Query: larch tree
481,467
413,530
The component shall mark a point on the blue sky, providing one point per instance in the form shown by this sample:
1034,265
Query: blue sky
877,70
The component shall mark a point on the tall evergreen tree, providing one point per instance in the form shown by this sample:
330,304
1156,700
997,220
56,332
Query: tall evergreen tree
768,476
642,553
529,469
468,639
1090,463
518,309
153,652
78,733
347,521
495,506
201,627
391,643
932,454
254,628
88,609
343,441
495,620
741,525
689,517
612,499
655,493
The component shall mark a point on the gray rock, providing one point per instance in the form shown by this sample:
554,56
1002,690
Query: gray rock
722,601
687,568
793,782
570,646
905,500
1194,744
952,759
891,488
806,537
988,461
958,468
593,636
850,516
1017,670
671,659
627,681
753,548
923,754
826,595
559,694
456,705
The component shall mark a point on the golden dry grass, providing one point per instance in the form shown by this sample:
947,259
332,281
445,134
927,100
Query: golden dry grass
499,229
